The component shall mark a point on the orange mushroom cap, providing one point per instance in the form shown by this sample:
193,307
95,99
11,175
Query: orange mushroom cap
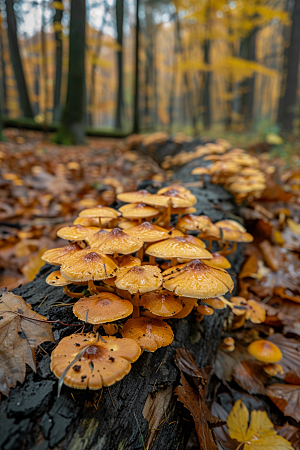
197,280
265,351
161,303
56,279
133,197
117,241
205,310
138,211
94,222
191,222
215,303
178,247
148,232
150,334
87,265
100,211
76,232
56,256
139,279
128,261
102,363
102,308
219,261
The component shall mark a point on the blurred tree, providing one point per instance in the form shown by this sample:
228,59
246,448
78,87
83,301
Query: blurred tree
120,102
59,7
71,130
247,52
136,113
16,59
288,101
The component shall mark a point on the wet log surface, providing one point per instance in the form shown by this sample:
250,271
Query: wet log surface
138,412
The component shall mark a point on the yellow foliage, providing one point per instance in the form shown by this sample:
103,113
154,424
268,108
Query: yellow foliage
57,5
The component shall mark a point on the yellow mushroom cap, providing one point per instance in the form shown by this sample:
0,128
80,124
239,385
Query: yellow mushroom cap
150,334
161,303
205,310
56,279
76,232
89,264
173,197
133,197
265,351
231,224
148,232
138,211
219,261
100,211
56,256
191,222
117,241
201,171
178,247
94,222
102,363
215,303
102,308
197,280
174,187
129,261
139,279
94,237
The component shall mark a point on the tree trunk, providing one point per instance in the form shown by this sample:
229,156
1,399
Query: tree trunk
16,59
119,20
58,60
248,52
139,412
3,92
206,88
136,113
71,130
288,101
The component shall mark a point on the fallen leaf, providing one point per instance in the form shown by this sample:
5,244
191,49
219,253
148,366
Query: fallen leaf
249,268
21,331
290,362
259,435
295,227
287,398
250,376
290,433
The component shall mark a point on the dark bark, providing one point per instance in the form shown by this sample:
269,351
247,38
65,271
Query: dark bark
34,418
173,78
16,59
248,52
3,91
136,114
206,88
288,101
58,62
120,100
37,88
71,130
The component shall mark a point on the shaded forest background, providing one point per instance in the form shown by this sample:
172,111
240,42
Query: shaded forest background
193,65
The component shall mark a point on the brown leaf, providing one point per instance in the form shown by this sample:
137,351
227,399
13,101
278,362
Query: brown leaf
290,362
287,398
250,376
21,331
249,268
269,255
290,433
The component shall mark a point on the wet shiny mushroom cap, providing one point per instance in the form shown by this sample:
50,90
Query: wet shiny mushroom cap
197,280
133,197
231,224
94,222
100,211
56,256
128,261
178,247
139,279
101,364
76,232
89,264
219,261
150,334
265,351
161,303
56,279
102,308
117,241
148,232
173,197
138,211
191,222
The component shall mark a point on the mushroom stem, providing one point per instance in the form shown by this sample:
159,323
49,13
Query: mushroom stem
136,312
71,294
140,253
92,288
173,262
223,251
115,255
139,220
105,289
152,260
110,328
232,250
100,223
200,317
209,244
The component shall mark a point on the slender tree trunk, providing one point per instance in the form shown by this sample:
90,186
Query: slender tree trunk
248,51
136,115
45,67
71,130
3,92
37,89
288,102
206,88
16,59
173,78
119,20
58,60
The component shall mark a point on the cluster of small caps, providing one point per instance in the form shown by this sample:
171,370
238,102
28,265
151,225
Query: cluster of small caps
139,274
237,170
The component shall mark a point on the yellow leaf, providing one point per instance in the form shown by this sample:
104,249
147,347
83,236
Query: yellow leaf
57,5
57,26
260,435
295,227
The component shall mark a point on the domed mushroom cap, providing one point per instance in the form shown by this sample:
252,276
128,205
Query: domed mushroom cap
124,224
187,210
231,224
178,247
102,363
205,310
117,241
150,334
139,279
173,196
102,308
133,197
94,222
201,171
94,237
56,256
148,232
219,261
193,223
197,280
265,351
56,279
88,265
161,303
138,211
215,303
100,211
76,232
228,234
129,261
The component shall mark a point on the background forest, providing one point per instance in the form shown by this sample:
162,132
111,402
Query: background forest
193,65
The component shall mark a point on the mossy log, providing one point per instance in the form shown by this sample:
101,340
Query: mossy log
139,412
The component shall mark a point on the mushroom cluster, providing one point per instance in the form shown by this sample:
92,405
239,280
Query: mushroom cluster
238,171
140,271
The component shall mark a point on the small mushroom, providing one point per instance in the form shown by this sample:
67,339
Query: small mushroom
100,212
117,241
139,279
138,211
265,351
161,303
56,256
150,334
76,232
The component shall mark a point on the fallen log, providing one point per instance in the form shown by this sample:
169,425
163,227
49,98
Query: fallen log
139,412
